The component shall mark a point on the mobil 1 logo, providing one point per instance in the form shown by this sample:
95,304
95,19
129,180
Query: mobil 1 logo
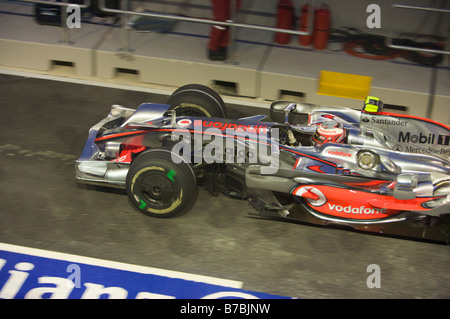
412,142
408,137
409,134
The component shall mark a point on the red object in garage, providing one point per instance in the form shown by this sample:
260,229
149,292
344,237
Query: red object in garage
219,35
321,27
285,20
305,39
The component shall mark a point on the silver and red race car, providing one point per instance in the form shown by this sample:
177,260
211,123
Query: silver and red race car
366,169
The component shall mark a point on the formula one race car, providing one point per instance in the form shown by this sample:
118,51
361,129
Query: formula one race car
366,169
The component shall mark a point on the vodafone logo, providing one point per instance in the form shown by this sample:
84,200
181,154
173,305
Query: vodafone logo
314,196
330,131
184,122
356,210
340,153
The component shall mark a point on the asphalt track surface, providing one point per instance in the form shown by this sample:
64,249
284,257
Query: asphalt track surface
43,128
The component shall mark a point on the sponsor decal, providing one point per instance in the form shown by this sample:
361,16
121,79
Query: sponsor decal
339,153
356,209
258,129
345,203
28,273
408,137
421,150
384,121
217,142
314,196
316,168
329,131
184,122
356,141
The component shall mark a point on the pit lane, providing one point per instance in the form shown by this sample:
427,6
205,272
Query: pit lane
43,128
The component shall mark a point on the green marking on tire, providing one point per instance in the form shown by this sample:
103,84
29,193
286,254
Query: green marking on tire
171,174
143,204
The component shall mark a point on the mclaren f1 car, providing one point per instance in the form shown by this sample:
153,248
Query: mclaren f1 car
366,169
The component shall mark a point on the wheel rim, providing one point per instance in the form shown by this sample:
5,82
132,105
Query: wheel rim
157,190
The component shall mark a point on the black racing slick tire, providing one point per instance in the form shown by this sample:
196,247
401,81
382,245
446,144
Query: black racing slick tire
160,187
197,100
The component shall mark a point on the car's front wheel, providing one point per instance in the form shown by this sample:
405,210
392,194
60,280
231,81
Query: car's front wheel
160,187
197,100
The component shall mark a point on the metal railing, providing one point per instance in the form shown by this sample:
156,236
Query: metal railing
230,23
409,48
125,14
390,39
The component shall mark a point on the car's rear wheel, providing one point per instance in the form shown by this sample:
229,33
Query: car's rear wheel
160,187
197,100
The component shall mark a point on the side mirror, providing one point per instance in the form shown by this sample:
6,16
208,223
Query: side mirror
287,110
173,117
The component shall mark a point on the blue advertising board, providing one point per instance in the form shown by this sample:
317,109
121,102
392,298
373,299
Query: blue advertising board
28,273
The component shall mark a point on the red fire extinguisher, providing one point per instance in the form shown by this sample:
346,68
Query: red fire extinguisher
285,20
321,27
305,39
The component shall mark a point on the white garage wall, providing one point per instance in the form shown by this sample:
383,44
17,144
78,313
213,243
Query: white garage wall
344,13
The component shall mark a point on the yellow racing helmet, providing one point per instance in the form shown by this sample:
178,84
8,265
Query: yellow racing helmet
373,104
